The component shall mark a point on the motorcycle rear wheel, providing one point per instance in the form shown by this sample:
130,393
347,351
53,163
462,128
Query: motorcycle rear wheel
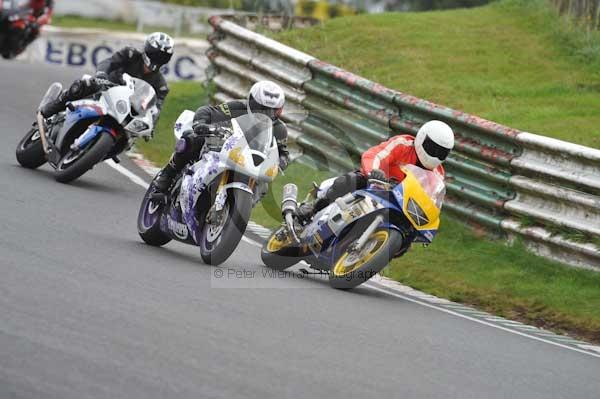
30,151
68,171
351,270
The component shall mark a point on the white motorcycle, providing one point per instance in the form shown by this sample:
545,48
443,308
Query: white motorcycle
90,130
210,202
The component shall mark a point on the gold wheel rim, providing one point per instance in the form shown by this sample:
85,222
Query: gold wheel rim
372,247
275,244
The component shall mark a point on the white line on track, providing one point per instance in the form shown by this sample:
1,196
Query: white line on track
127,173
390,291
462,316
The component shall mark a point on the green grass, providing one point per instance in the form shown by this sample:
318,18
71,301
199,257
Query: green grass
183,95
71,21
68,21
513,62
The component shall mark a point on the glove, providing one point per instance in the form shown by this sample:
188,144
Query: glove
116,78
283,162
377,174
202,129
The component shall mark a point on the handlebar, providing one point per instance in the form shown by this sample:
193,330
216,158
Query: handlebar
386,184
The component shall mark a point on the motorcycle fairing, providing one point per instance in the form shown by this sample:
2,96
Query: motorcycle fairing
120,96
235,155
184,123
91,133
84,109
419,197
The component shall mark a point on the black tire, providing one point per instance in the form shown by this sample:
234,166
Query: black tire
149,228
95,153
278,255
30,153
219,250
380,256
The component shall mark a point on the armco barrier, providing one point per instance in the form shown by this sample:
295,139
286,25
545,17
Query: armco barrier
85,48
508,181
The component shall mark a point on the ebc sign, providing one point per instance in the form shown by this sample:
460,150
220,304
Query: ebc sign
188,62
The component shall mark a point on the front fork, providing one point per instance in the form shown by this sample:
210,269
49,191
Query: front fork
221,197
358,245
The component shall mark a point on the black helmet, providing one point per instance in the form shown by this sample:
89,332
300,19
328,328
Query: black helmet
158,50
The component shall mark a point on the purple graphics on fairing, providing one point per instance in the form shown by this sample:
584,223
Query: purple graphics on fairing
192,187
230,143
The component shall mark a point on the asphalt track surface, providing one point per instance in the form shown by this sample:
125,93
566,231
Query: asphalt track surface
88,311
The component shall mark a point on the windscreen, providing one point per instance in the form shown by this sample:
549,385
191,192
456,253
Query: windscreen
432,183
258,130
143,97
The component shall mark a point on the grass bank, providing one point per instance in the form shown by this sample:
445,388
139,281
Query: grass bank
514,62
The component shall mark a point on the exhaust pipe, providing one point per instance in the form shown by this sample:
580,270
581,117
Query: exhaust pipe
289,205
290,198
42,130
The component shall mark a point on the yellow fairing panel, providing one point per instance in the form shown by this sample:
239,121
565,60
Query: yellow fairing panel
413,190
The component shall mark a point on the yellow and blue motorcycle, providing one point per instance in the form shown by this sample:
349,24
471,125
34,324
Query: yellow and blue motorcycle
355,237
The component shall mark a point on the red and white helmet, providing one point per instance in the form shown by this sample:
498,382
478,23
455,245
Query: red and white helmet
266,97
433,143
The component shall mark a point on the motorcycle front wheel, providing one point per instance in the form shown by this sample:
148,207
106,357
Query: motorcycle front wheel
148,222
279,252
352,268
75,163
30,151
220,239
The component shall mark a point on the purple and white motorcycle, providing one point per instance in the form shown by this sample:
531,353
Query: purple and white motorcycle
209,203
90,130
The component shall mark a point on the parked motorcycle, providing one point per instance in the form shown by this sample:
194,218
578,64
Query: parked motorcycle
210,202
90,130
355,237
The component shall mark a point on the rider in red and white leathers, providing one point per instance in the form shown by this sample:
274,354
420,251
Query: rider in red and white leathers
428,150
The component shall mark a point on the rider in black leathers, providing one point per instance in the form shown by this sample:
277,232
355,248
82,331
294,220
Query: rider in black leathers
144,65
265,97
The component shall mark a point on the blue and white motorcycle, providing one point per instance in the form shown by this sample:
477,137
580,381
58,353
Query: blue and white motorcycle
356,236
90,130
210,201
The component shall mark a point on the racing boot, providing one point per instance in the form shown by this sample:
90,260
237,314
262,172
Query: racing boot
79,89
164,179
306,210
54,107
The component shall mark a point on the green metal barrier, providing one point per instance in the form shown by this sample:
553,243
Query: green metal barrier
496,175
